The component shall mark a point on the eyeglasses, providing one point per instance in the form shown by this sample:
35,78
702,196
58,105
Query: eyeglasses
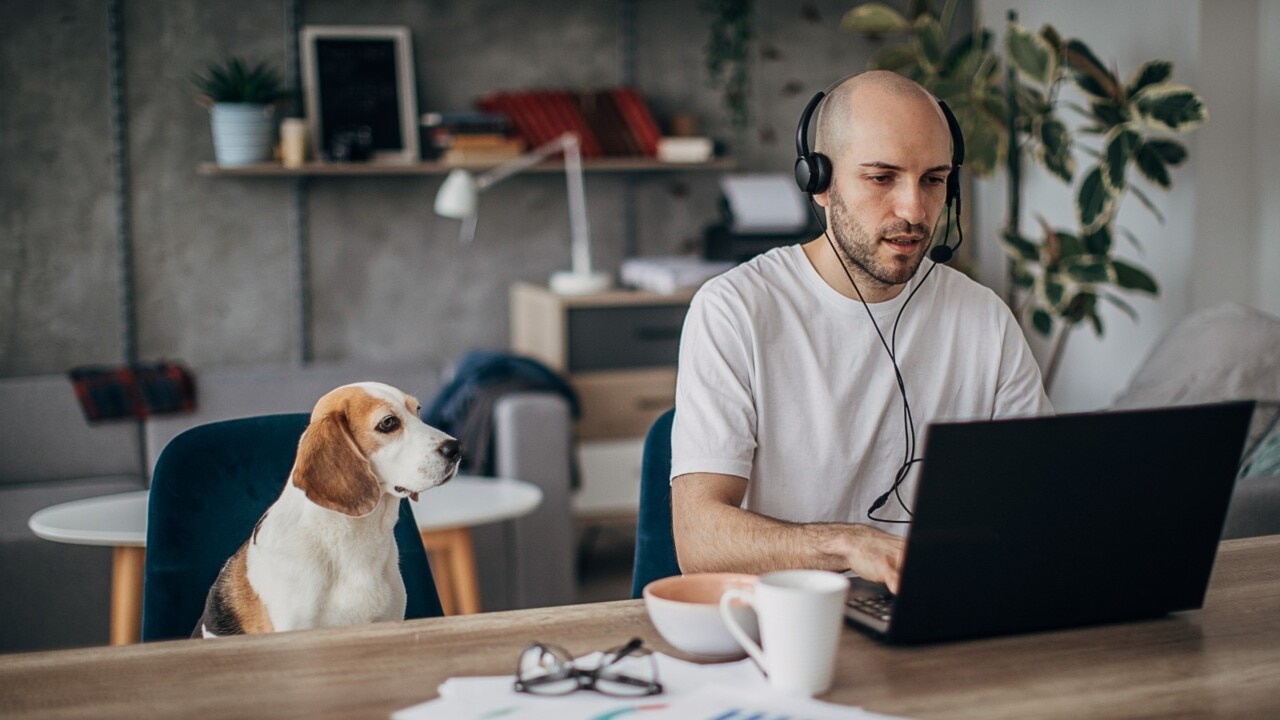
549,670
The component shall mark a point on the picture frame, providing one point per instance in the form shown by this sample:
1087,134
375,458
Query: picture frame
360,92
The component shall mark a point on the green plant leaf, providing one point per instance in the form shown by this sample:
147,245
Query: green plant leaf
1020,247
1052,289
1094,202
1171,152
1042,322
1124,307
1152,73
1070,249
1030,54
1146,201
1172,108
1099,241
1090,74
874,19
1132,278
1021,278
1052,37
1120,145
1054,149
1108,115
968,50
894,57
930,41
1089,269
1152,166
1096,320
984,133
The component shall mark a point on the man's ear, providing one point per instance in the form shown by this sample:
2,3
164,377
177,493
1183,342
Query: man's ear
823,198
332,471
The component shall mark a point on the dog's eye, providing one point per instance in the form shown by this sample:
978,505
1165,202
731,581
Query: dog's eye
389,423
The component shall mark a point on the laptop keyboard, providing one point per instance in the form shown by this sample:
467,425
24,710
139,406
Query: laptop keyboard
879,606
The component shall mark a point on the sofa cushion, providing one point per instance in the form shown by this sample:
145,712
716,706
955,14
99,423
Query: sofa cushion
44,435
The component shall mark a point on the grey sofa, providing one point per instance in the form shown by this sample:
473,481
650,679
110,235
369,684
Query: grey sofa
56,595
1225,352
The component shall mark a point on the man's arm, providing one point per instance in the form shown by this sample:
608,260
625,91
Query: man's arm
714,534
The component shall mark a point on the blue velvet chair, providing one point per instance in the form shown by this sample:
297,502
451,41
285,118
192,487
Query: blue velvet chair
210,486
655,543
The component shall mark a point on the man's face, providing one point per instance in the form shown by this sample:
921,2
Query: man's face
888,255
889,188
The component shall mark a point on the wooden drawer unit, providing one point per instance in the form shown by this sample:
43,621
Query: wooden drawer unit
618,350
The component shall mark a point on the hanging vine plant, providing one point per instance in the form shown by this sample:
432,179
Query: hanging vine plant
728,54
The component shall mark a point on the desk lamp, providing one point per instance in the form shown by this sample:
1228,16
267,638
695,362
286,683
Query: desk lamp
458,194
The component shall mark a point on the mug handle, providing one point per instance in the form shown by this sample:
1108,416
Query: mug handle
736,630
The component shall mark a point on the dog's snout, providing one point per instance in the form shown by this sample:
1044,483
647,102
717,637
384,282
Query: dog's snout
449,450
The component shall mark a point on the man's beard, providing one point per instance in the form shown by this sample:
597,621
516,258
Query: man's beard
859,246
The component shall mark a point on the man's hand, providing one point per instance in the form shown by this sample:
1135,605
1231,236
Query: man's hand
714,534
874,555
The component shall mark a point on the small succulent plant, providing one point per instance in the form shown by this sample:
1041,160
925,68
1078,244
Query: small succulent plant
236,81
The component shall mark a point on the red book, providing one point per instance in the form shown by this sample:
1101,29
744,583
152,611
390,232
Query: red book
639,119
570,113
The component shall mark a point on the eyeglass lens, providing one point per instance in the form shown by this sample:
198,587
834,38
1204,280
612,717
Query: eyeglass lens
549,670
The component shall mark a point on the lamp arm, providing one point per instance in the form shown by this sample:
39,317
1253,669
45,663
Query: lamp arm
526,161
579,231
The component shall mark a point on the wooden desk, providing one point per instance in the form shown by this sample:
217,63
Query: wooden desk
1222,661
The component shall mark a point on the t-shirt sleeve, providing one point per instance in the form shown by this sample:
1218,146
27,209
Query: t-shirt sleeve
1020,390
715,421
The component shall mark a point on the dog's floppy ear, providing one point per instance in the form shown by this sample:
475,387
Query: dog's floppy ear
332,471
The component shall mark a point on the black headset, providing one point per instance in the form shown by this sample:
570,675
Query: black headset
813,175
813,169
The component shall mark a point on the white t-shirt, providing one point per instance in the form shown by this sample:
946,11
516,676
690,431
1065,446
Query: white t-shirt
783,381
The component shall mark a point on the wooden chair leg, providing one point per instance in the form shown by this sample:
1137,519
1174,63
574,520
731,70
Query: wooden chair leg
453,565
438,549
127,566
467,584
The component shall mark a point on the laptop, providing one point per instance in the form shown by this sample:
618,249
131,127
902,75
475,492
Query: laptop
1055,522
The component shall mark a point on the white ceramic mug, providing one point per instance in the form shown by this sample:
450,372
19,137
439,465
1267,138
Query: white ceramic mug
801,615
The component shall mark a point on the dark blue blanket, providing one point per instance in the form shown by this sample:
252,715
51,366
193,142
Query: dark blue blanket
464,406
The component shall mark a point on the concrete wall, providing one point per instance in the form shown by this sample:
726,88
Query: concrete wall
214,259
1218,241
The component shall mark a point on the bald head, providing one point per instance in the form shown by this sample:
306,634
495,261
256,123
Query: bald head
874,94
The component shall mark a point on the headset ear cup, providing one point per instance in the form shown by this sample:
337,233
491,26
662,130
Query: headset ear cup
822,173
804,173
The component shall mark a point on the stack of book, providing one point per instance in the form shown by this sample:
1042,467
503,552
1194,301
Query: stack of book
468,138
614,122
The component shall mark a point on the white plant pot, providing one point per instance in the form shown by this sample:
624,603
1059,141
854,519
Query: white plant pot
243,133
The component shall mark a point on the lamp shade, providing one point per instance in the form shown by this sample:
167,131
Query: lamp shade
457,195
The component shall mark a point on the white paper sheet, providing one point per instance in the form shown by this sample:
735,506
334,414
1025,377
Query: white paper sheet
726,691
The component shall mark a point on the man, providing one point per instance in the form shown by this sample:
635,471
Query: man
790,421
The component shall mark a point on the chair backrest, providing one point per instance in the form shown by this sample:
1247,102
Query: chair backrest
655,543
211,485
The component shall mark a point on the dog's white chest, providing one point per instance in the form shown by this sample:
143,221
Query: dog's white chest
317,574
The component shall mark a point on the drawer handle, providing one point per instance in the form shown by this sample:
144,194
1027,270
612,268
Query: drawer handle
650,334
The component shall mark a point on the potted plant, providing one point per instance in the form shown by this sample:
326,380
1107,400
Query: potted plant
1062,277
240,98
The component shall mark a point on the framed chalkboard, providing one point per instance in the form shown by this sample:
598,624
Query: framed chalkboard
360,92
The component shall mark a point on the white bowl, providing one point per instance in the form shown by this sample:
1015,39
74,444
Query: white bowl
686,611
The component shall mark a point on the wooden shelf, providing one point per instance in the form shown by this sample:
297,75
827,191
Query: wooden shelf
593,165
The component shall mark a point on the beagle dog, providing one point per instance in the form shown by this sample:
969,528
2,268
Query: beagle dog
324,553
